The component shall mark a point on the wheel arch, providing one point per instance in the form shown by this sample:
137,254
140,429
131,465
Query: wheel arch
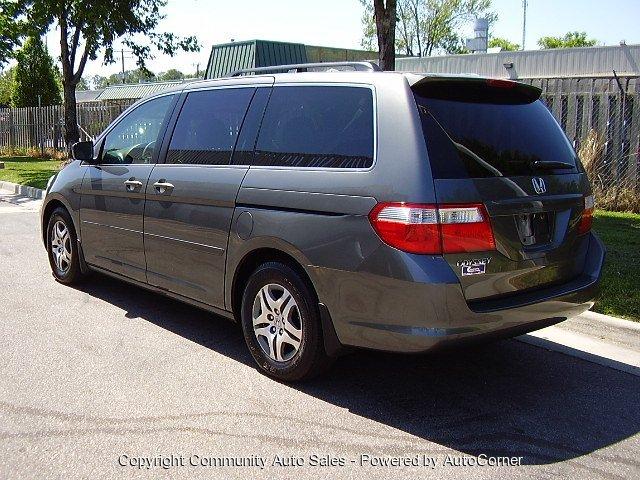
48,209
252,260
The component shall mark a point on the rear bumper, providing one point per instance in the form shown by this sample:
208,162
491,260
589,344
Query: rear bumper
389,314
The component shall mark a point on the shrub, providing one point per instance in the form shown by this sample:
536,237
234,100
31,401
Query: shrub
609,194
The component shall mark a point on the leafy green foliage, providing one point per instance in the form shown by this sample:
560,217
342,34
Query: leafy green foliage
11,27
6,84
570,40
504,44
425,27
130,76
138,75
82,84
87,27
171,74
620,233
35,76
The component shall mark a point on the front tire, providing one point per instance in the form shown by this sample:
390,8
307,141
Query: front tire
62,247
281,324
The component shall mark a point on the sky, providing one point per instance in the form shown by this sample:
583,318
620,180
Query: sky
337,23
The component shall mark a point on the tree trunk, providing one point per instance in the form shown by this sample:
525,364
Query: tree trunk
71,132
385,17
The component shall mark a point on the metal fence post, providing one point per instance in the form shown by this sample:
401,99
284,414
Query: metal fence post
12,132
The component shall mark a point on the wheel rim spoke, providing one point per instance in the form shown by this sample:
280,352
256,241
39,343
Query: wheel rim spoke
270,302
293,331
278,347
264,332
290,339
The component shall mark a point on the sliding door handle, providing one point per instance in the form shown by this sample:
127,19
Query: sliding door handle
162,186
132,184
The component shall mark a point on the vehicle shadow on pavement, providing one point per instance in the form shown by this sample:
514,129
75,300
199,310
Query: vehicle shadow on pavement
502,399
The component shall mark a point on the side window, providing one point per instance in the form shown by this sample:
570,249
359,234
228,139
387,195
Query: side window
133,139
245,146
208,126
317,126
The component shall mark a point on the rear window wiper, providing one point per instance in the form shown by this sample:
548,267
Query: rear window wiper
552,165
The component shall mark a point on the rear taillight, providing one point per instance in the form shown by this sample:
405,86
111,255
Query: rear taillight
433,229
586,219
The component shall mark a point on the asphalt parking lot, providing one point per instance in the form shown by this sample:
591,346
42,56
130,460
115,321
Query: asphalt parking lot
99,381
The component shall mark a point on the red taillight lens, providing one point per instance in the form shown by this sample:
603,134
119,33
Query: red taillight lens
586,220
407,226
433,229
466,228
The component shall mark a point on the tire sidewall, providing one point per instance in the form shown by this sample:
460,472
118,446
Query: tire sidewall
303,362
72,274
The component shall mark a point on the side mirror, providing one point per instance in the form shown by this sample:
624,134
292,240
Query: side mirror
82,151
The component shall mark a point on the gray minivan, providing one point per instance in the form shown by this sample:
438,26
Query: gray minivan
327,210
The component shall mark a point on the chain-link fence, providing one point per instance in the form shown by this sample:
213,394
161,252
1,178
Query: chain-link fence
601,117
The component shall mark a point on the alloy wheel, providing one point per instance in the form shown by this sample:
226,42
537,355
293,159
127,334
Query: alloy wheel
61,247
277,323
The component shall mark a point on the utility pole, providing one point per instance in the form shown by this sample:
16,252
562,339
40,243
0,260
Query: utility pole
122,59
524,22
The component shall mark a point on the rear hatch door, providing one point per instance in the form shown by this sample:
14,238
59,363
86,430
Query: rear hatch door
494,142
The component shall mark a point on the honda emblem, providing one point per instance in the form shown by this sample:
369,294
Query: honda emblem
538,185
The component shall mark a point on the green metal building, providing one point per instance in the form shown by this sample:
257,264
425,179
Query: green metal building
228,57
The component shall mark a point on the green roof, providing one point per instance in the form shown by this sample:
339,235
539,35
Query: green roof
228,57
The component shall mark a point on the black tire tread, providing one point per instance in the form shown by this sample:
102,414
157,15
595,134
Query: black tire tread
316,361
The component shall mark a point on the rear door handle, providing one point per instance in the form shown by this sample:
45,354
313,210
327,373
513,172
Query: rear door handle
163,186
132,184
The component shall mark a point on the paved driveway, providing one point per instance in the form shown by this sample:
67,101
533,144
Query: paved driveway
109,374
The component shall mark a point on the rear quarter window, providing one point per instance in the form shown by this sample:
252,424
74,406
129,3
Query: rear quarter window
317,126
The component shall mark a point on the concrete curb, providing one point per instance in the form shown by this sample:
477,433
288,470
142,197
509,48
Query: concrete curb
22,190
593,344
578,346
613,322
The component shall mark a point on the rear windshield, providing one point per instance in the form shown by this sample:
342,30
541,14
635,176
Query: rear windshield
484,136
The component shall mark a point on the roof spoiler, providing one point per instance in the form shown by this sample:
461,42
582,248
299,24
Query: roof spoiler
476,89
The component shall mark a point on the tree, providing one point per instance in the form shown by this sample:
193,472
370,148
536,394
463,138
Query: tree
503,44
6,85
88,27
171,74
35,76
385,18
83,84
11,29
570,40
425,27
379,22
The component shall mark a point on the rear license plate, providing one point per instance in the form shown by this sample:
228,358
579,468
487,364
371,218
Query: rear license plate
534,228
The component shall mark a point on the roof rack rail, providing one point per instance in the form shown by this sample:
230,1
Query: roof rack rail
302,67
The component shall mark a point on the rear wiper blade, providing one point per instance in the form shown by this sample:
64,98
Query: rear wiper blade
552,165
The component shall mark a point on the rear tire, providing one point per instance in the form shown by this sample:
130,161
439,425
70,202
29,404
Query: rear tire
62,247
281,324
